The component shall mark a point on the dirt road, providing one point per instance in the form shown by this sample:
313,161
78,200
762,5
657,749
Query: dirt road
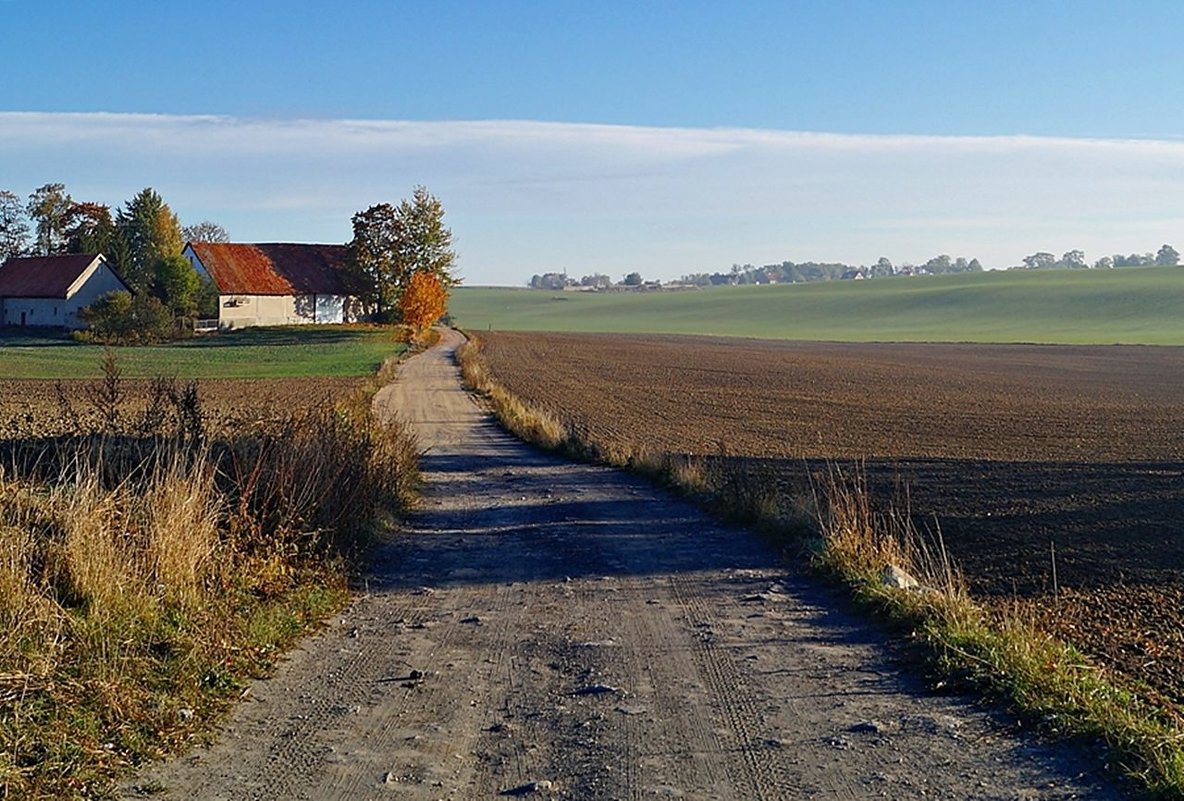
547,629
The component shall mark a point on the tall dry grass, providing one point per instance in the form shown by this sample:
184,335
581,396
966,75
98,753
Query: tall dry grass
318,480
863,539
532,425
147,568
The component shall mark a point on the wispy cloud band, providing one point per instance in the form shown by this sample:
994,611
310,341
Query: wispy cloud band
527,196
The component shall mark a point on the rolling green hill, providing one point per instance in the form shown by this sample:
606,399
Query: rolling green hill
1144,306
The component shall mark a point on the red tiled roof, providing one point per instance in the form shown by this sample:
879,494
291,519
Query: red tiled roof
274,268
42,276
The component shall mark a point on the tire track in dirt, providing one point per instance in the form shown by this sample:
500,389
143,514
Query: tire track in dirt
552,612
659,663
756,777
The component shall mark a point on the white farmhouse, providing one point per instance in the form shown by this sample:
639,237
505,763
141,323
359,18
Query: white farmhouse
277,283
48,291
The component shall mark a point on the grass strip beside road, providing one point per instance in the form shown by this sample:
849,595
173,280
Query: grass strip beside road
1004,656
286,352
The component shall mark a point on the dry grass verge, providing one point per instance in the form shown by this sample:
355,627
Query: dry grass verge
524,422
1003,654
147,570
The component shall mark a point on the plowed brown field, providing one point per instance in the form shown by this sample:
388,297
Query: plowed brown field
1014,450
31,408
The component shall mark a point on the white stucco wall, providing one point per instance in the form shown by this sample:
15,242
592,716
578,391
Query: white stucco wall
244,311
39,311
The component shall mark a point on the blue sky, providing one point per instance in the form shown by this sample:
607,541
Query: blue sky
665,137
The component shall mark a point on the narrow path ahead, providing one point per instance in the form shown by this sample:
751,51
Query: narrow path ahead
553,629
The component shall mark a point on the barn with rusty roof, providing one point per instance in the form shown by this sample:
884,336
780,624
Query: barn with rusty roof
48,291
277,283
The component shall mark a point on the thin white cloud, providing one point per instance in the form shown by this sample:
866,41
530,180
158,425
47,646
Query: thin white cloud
527,196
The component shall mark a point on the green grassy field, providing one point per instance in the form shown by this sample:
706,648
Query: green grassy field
249,353
1057,306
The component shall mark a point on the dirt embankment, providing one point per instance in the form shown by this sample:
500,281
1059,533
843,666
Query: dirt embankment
545,629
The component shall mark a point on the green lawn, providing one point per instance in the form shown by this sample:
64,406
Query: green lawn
1055,306
248,353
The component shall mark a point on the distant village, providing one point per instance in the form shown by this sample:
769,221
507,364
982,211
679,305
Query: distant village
788,272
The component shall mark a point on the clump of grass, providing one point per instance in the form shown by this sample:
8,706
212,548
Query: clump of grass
321,477
860,541
1001,653
108,597
148,568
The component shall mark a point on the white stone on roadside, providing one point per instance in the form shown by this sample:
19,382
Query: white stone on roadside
897,577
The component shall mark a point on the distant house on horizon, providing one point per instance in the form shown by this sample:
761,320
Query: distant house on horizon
49,291
277,283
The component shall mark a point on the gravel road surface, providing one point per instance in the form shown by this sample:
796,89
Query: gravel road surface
548,629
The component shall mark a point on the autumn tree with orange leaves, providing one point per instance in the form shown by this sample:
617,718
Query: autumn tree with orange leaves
423,301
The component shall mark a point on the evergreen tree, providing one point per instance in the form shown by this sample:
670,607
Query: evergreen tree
150,232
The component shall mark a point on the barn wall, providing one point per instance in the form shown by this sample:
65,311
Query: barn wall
330,308
44,312
244,311
101,282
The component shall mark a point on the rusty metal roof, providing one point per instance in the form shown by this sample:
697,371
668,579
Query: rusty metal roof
274,268
42,276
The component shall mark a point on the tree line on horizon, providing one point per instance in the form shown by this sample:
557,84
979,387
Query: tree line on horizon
788,272
1166,256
